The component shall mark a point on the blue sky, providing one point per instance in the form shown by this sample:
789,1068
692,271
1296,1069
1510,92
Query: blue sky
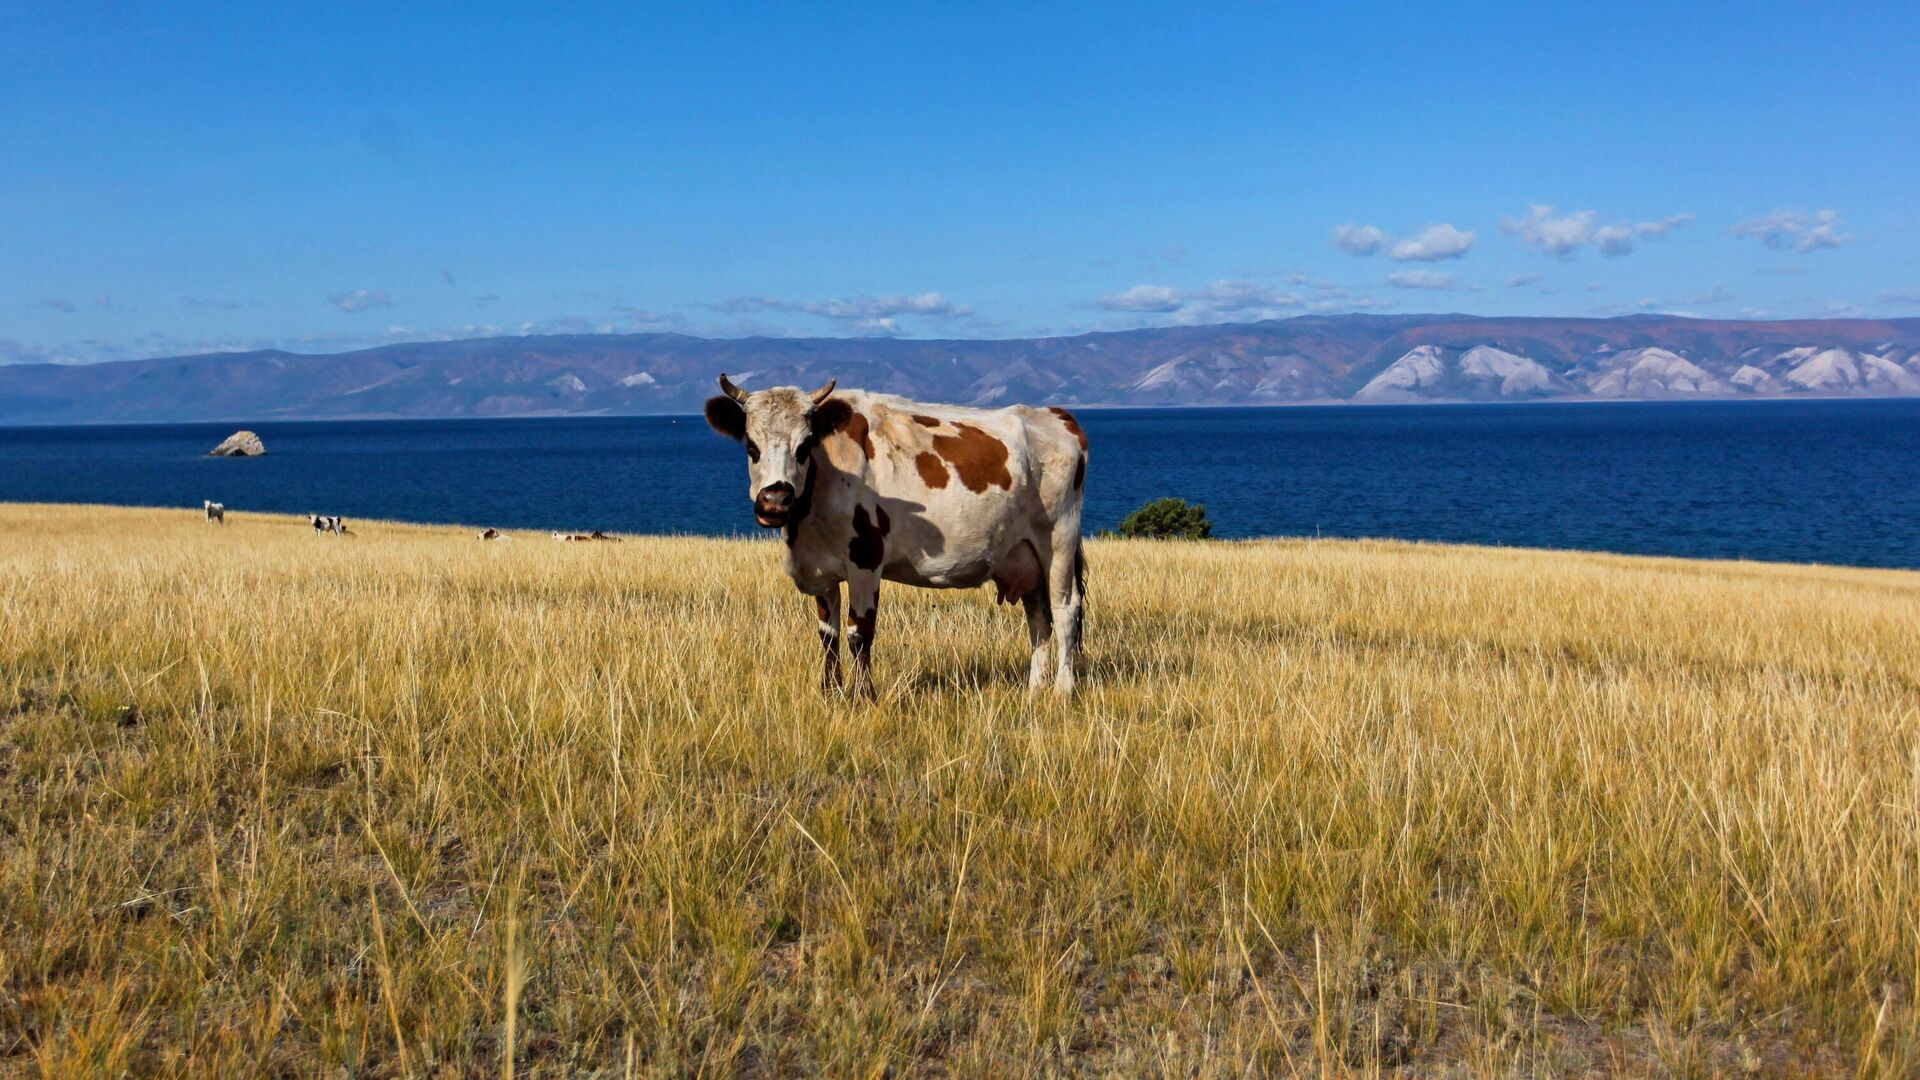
188,177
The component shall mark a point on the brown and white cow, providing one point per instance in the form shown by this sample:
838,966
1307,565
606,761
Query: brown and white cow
869,487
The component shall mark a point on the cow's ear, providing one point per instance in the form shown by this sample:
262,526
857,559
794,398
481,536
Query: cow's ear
830,417
725,416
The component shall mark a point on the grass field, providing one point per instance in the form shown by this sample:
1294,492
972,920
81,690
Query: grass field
410,804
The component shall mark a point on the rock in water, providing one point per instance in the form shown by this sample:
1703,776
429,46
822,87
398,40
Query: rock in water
240,444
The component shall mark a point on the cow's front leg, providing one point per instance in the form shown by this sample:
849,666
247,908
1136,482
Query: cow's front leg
827,606
863,611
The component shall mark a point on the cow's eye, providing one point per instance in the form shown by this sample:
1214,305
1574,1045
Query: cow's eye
753,450
801,452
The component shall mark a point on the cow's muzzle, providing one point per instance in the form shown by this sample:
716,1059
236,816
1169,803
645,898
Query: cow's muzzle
774,505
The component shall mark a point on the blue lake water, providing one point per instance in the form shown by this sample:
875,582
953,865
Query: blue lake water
1803,481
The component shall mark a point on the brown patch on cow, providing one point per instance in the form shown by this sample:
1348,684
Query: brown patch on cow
1080,472
857,431
820,607
1018,574
838,416
978,458
869,544
1072,425
925,421
933,472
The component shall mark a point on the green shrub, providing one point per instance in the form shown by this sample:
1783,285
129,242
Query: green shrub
1168,519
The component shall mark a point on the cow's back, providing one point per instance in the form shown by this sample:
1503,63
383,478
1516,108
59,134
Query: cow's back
951,490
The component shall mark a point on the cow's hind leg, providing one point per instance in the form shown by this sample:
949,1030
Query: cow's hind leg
863,614
1040,634
827,607
1066,586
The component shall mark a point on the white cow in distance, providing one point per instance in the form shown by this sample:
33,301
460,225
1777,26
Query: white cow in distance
329,525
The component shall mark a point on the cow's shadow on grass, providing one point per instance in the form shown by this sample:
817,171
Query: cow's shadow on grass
1107,666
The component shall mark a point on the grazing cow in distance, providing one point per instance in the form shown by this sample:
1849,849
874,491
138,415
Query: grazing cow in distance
494,534
869,487
330,525
216,512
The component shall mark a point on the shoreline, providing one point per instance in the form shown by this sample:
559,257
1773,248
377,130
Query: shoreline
467,530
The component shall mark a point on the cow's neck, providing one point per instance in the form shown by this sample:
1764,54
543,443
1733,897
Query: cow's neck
803,502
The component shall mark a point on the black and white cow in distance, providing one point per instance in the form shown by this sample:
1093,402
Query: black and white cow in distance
216,512
869,487
328,525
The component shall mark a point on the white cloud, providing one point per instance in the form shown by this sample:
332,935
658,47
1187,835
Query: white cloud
1359,240
1716,295
1614,240
1519,281
1654,230
1221,301
1564,234
873,310
1244,296
1617,240
1341,301
1542,231
360,300
1433,243
1900,296
1143,298
1430,244
1420,279
883,307
1795,230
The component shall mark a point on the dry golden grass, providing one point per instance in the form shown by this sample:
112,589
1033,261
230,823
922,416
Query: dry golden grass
415,805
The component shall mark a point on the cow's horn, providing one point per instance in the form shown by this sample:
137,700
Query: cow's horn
821,394
732,391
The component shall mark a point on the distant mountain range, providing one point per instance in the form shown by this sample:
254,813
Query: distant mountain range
1330,358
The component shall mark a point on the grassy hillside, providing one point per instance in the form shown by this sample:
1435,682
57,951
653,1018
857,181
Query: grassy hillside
414,804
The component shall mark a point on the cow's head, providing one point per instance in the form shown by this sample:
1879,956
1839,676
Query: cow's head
777,426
